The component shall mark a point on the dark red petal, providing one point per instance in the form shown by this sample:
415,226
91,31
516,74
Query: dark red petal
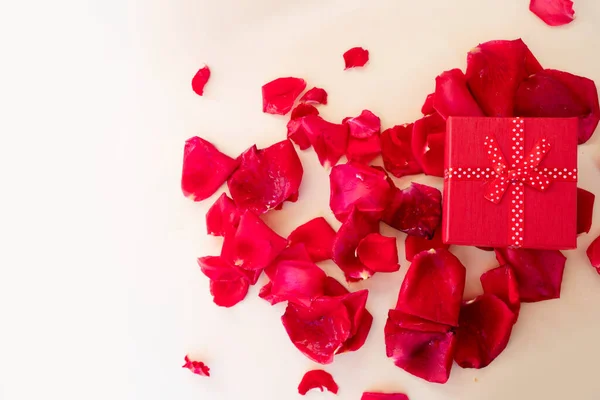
416,210
502,283
302,110
253,246
356,57
558,94
279,95
553,12
383,396
229,293
355,227
197,367
365,125
329,140
585,210
539,272
363,150
360,186
295,129
452,96
222,216
317,379
361,320
205,169
397,153
317,236
413,245
378,253
266,178
427,107
315,95
428,136
485,248
483,331
334,288
494,72
433,287
593,253
298,281
199,80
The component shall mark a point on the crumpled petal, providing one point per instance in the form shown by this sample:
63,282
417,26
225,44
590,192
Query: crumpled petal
378,253
197,367
495,70
397,153
328,139
364,126
416,210
360,319
539,272
279,95
266,178
585,210
298,281
317,379
502,283
452,96
360,186
483,331
593,253
427,107
433,287
356,57
317,236
228,284
205,169
222,216
363,150
553,12
428,136
557,94
413,245
295,129
314,96
200,79
229,293
383,396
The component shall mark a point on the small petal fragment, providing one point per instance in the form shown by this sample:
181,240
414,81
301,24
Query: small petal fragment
200,79
553,12
383,396
364,126
317,236
416,210
452,96
222,216
328,139
279,95
593,253
585,210
428,136
378,253
197,367
356,57
397,153
314,96
502,283
317,379
413,245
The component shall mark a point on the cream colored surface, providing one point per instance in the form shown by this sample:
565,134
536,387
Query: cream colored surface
101,295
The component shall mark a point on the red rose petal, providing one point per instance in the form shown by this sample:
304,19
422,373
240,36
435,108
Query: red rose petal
485,248
360,319
383,396
427,107
317,379
229,293
317,236
428,136
593,253
218,269
416,210
356,57
279,95
378,253
558,94
413,245
334,288
298,281
502,283
294,252
452,96
205,169
295,129
328,139
197,367
483,331
228,284
314,96
396,150
199,80
539,272
364,126
363,150
494,72
585,210
266,178
302,110
553,12
433,287
222,216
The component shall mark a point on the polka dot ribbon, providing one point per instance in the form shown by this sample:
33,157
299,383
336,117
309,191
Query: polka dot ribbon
522,170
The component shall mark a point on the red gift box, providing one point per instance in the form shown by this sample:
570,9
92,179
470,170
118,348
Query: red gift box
511,182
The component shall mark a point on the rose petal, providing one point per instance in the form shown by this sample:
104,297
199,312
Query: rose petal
485,248
585,210
557,94
218,269
205,169
200,79
298,281
452,96
593,253
295,129
553,12
294,252
433,287
364,126
317,379
483,331
197,367
315,96
361,320
413,245
329,140
502,283
396,150
363,150
383,396
428,136
416,210
356,57
494,72
229,293
317,236
279,95
266,178
427,107
539,272
378,253
222,216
